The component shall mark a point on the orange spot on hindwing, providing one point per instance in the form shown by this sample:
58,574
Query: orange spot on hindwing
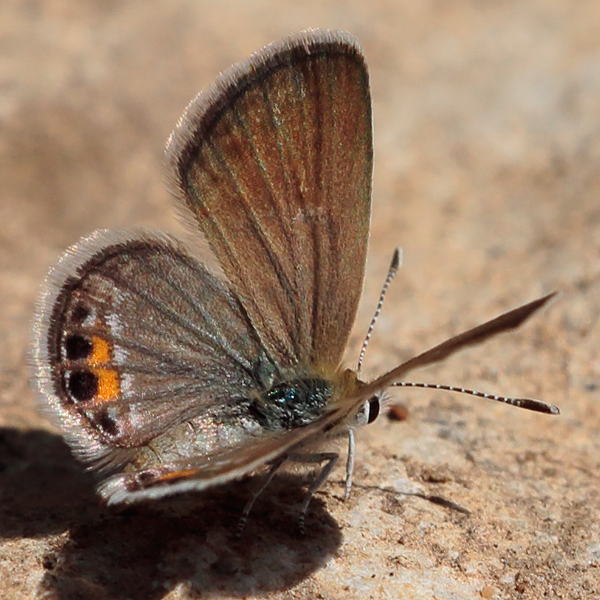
90,376
101,351
183,474
109,386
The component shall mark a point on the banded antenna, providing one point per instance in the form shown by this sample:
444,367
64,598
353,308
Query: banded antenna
527,403
394,266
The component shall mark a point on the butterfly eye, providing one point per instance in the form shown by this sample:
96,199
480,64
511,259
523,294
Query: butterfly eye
372,407
369,411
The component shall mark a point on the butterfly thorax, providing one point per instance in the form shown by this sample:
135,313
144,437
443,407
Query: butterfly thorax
291,404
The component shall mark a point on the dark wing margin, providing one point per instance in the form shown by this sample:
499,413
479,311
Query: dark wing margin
274,161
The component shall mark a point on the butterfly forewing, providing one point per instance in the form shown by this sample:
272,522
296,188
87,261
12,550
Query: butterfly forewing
275,163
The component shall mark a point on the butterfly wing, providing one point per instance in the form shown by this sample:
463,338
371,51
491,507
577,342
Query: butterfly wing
201,471
136,340
274,161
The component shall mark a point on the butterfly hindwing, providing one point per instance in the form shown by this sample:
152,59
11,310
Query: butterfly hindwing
135,337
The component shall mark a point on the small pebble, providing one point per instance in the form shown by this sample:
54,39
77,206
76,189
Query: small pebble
398,412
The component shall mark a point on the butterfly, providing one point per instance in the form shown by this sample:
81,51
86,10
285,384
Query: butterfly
167,375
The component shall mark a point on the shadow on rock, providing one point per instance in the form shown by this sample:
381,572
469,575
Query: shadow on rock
43,490
147,550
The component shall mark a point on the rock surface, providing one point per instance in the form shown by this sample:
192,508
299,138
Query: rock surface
487,139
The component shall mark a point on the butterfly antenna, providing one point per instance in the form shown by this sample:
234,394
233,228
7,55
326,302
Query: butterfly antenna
394,266
527,403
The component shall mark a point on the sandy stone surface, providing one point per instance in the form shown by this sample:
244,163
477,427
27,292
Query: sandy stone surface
487,139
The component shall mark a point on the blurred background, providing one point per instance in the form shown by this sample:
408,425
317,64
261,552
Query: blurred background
487,149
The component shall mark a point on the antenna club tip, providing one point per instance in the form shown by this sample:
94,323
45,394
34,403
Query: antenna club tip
396,259
538,406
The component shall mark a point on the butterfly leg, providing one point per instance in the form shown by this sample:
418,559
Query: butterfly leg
349,464
331,458
246,512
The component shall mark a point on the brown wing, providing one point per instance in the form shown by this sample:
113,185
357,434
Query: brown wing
275,163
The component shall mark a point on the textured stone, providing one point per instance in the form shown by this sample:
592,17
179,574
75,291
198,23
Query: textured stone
487,143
